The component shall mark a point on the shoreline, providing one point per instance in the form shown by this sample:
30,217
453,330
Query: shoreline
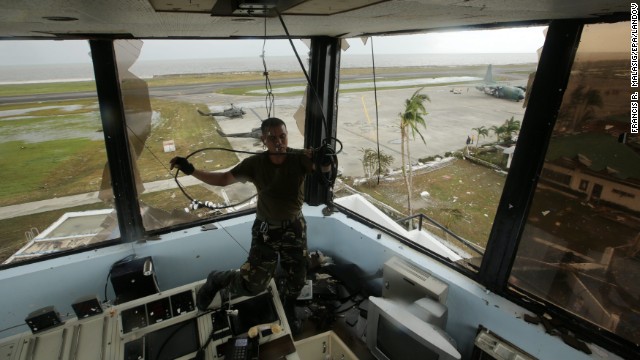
258,74
348,74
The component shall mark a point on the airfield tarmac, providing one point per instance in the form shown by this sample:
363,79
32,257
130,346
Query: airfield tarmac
450,119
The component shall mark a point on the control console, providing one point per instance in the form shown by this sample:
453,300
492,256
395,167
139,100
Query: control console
163,325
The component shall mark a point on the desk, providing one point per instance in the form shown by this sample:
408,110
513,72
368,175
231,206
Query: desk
317,347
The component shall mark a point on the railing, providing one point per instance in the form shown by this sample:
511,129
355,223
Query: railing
421,216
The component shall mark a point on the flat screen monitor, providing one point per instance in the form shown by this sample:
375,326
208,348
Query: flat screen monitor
254,311
394,333
173,341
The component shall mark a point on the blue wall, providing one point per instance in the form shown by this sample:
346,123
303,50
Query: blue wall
187,256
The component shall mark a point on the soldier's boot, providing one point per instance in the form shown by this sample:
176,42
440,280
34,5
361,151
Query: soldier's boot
216,281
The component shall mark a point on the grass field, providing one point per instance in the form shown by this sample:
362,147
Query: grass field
57,149
70,157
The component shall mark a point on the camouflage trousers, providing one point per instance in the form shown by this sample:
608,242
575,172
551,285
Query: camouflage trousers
289,240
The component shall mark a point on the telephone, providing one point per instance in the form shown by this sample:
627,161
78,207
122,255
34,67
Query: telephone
242,348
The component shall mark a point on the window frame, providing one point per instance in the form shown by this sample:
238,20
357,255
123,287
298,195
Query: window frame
552,77
545,99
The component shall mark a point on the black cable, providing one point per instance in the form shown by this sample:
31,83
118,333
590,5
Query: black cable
195,204
326,157
124,259
306,75
207,204
327,179
375,97
200,355
269,98
173,333
144,144
224,149
329,156
105,285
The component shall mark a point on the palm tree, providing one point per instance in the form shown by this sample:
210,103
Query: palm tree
509,127
498,131
482,131
410,119
375,163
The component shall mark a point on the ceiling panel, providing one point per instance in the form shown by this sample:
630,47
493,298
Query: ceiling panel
192,18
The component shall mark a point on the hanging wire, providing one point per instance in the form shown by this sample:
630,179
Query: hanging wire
325,150
326,154
375,98
306,75
144,144
269,98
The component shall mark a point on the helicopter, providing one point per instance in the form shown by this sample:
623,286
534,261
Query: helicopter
232,112
255,133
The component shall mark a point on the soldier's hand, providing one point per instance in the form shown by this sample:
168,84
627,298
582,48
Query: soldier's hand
182,164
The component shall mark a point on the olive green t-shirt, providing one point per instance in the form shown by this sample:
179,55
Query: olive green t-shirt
280,187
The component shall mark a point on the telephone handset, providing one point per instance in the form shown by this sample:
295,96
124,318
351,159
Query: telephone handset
242,348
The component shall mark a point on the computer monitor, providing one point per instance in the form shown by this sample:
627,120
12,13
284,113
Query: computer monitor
406,281
394,333
177,341
254,311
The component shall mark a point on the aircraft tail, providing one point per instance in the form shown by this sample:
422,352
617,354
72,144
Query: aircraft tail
488,77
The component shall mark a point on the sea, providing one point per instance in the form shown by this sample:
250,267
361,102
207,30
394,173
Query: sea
17,74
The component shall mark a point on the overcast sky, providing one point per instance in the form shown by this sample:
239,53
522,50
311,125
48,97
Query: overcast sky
521,40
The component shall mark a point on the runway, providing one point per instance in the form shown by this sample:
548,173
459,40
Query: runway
450,119
361,125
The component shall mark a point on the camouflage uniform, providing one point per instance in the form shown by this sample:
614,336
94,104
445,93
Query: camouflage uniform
289,239
279,227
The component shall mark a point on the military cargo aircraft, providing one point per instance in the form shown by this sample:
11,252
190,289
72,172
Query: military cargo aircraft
490,87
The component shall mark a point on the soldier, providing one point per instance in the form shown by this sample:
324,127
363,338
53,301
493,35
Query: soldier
279,227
